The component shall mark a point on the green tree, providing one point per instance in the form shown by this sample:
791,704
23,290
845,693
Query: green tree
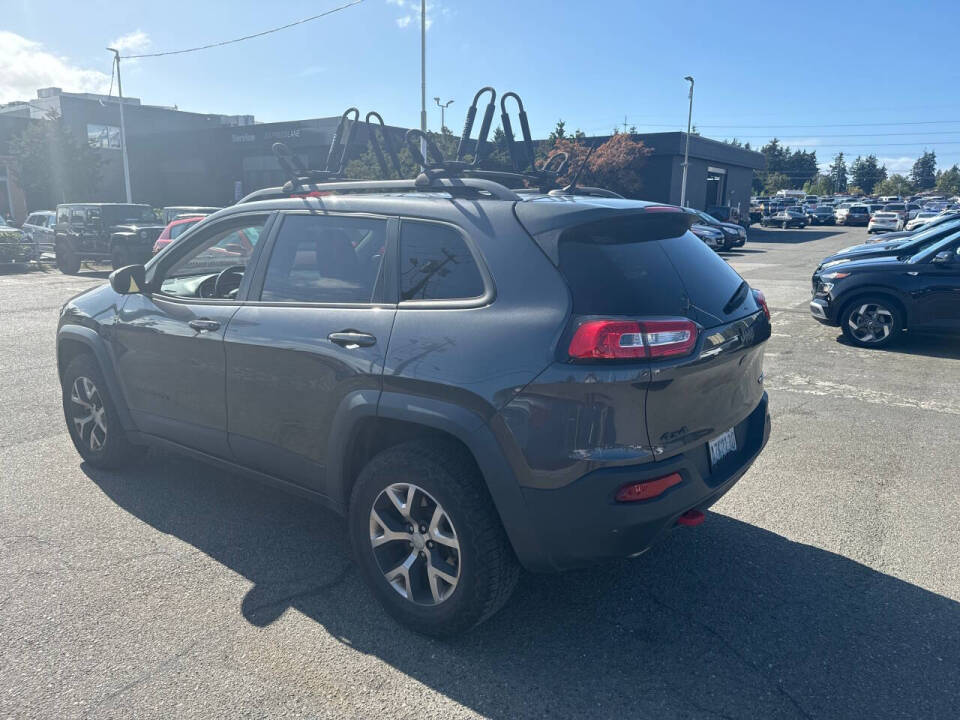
867,172
54,166
838,174
775,181
896,184
924,172
948,181
821,185
558,133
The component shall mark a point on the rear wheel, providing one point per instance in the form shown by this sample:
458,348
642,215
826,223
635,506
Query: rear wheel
871,322
428,539
68,262
91,416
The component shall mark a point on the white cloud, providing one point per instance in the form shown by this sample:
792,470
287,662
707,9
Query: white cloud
412,8
902,164
132,43
26,66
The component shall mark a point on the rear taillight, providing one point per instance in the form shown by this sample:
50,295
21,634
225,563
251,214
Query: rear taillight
631,339
762,302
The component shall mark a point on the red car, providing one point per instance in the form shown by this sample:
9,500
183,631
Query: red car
172,231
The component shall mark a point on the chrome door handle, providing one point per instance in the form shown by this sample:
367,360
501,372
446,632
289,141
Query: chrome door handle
352,339
204,324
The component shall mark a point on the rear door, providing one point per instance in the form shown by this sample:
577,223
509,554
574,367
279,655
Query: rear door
626,268
310,342
938,296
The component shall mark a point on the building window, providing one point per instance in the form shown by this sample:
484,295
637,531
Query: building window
103,136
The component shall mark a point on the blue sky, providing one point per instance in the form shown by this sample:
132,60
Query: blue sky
861,78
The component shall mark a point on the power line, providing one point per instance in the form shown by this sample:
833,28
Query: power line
245,37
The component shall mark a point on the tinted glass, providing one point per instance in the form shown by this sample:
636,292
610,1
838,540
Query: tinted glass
118,214
435,264
325,260
625,266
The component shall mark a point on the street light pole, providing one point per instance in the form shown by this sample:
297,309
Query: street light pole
686,149
442,107
423,76
123,129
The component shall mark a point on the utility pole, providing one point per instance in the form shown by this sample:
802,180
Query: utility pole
442,106
624,123
123,129
686,149
423,76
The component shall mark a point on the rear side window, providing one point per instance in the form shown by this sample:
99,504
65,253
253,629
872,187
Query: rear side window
628,266
325,260
435,264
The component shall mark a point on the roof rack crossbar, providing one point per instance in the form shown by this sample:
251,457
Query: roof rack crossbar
466,187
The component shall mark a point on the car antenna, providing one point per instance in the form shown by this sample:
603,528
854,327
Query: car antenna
573,183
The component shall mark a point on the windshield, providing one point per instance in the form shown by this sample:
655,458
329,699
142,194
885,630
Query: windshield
927,253
122,214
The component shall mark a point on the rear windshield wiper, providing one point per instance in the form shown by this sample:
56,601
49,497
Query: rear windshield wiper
738,297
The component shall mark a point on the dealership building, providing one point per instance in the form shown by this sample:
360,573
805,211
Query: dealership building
185,158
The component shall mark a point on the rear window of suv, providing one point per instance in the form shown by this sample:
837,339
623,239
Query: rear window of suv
624,266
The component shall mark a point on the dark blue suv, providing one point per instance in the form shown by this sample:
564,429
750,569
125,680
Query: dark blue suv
480,379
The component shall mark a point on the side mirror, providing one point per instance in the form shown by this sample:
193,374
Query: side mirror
128,280
945,257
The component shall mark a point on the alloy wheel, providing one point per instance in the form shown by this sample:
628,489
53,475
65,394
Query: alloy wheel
870,323
88,413
415,544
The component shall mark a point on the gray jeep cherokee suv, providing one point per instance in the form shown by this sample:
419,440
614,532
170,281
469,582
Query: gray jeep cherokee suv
479,379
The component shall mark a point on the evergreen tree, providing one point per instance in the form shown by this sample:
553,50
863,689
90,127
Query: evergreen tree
924,172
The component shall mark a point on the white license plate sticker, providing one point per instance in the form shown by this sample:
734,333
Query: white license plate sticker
722,446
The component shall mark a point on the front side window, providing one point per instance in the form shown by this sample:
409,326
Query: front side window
435,264
227,250
76,216
325,259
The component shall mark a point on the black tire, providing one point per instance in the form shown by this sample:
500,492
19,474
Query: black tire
118,257
487,568
68,262
886,328
115,450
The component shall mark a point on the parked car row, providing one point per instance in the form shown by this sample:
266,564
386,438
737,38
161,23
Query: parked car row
121,234
874,291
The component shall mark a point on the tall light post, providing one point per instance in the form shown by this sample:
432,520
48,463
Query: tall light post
123,129
442,106
686,149
423,76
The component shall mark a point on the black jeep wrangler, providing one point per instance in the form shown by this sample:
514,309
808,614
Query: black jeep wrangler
122,234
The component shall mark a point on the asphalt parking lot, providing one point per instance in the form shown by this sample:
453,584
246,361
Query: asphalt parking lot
826,584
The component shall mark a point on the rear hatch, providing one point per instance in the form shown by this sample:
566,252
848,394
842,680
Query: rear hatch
642,264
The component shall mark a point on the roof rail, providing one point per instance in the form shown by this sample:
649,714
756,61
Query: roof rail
470,188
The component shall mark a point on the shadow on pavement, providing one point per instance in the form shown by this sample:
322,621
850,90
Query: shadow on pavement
916,343
728,620
791,236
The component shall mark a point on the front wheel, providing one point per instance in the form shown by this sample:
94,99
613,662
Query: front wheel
91,416
428,539
871,322
68,262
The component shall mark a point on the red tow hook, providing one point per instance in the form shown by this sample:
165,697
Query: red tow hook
691,518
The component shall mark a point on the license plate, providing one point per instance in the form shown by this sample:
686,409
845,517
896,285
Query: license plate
722,446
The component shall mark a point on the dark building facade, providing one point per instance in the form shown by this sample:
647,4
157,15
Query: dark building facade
717,174
184,158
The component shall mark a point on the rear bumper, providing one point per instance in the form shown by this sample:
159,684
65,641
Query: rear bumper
582,523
